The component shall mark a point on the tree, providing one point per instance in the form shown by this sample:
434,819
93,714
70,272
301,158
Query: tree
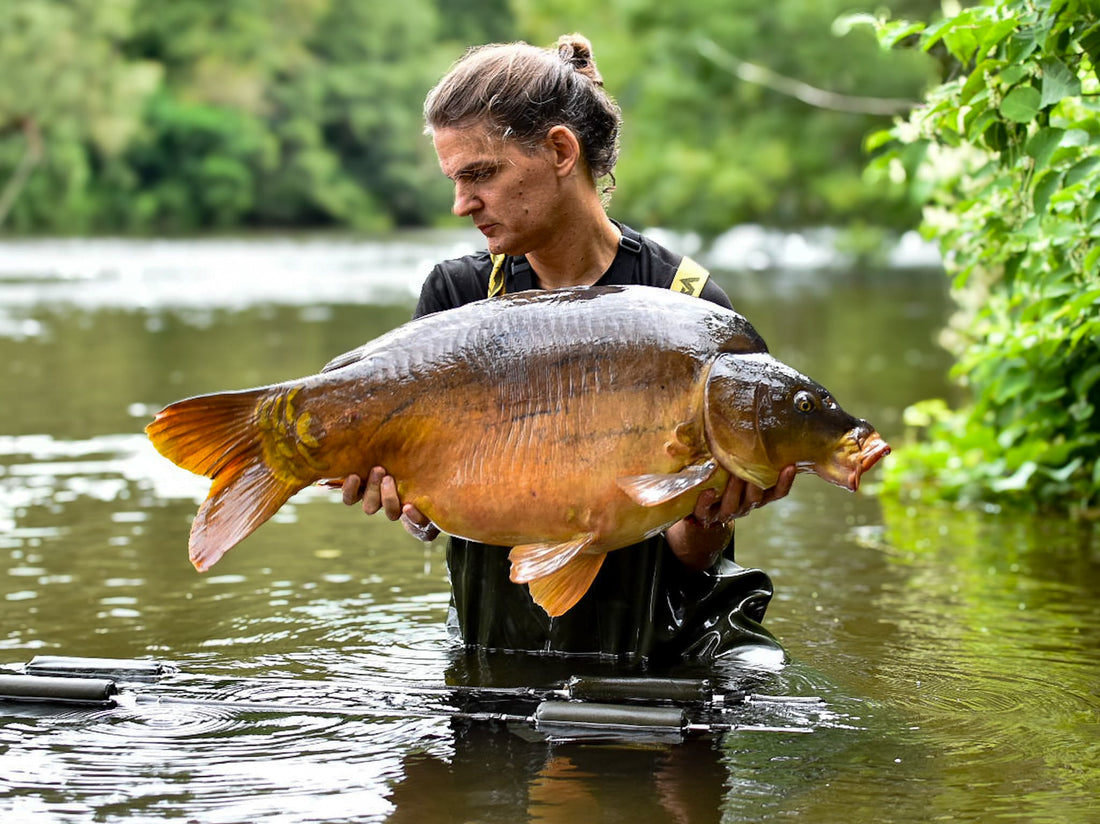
1005,159
704,148
68,91
284,112
187,115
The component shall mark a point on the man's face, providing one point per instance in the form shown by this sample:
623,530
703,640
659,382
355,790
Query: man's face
511,193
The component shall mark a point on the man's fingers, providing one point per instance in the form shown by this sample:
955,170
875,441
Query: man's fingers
784,484
736,500
352,489
751,499
703,505
417,524
372,494
391,503
742,497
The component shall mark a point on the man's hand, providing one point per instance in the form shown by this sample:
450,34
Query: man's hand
740,498
379,491
700,538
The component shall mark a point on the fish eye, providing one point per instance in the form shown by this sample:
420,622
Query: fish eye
805,402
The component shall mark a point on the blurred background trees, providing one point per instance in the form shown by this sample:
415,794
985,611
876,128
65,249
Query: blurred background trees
154,116
67,97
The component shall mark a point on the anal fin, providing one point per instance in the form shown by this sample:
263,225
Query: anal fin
558,592
655,489
557,575
533,561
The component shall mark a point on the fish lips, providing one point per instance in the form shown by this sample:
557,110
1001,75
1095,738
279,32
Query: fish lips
859,450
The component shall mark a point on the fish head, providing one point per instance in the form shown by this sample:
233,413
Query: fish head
761,415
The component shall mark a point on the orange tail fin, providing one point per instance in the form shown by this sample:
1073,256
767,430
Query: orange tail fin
218,436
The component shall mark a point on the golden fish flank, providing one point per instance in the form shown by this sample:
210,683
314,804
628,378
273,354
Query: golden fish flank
289,439
477,409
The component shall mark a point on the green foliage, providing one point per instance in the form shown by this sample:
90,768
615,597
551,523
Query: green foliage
195,166
66,93
703,149
1005,159
85,83
185,115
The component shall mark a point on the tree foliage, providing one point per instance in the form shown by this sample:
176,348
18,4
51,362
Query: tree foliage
67,94
264,112
704,149
188,115
1005,159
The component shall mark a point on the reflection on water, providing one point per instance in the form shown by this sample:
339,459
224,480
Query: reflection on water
956,655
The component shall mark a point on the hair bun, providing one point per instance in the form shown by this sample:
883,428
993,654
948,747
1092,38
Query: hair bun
576,50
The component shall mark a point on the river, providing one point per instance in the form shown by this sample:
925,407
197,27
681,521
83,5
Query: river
940,664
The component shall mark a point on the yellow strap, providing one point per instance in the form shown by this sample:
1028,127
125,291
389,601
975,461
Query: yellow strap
690,278
496,277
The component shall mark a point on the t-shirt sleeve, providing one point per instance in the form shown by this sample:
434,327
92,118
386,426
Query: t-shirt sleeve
434,295
715,294
454,283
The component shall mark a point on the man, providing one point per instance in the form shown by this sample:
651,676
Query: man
526,135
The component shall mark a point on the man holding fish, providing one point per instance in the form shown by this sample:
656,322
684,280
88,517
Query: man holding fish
526,135
574,391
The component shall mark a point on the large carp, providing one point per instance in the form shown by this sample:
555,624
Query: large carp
564,424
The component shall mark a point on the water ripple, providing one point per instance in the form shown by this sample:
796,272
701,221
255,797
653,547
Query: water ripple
218,763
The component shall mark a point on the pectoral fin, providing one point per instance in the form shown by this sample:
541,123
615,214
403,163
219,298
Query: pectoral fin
654,489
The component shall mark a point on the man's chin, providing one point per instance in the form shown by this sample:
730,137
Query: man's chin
499,242
496,243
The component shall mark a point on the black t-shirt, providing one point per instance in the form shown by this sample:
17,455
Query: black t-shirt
466,279
643,603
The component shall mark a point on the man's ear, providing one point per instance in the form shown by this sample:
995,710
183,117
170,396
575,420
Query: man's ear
566,149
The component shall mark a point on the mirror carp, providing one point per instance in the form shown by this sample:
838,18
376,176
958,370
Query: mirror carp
564,424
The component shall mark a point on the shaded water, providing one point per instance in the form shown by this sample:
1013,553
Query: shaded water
957,654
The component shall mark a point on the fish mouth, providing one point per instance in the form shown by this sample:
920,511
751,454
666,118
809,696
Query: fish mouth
859,450
872,450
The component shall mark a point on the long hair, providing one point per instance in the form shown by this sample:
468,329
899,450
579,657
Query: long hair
522,91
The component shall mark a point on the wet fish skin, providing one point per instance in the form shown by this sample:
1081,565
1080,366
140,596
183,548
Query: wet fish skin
792,417
518,421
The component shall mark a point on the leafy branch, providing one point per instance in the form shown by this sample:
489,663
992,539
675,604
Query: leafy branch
1004,158
810,95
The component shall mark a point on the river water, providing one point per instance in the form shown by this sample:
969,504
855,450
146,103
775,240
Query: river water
940,665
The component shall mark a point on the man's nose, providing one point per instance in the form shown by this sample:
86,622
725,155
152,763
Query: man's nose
466,201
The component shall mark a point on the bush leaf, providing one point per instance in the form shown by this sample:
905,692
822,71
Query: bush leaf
1021,104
